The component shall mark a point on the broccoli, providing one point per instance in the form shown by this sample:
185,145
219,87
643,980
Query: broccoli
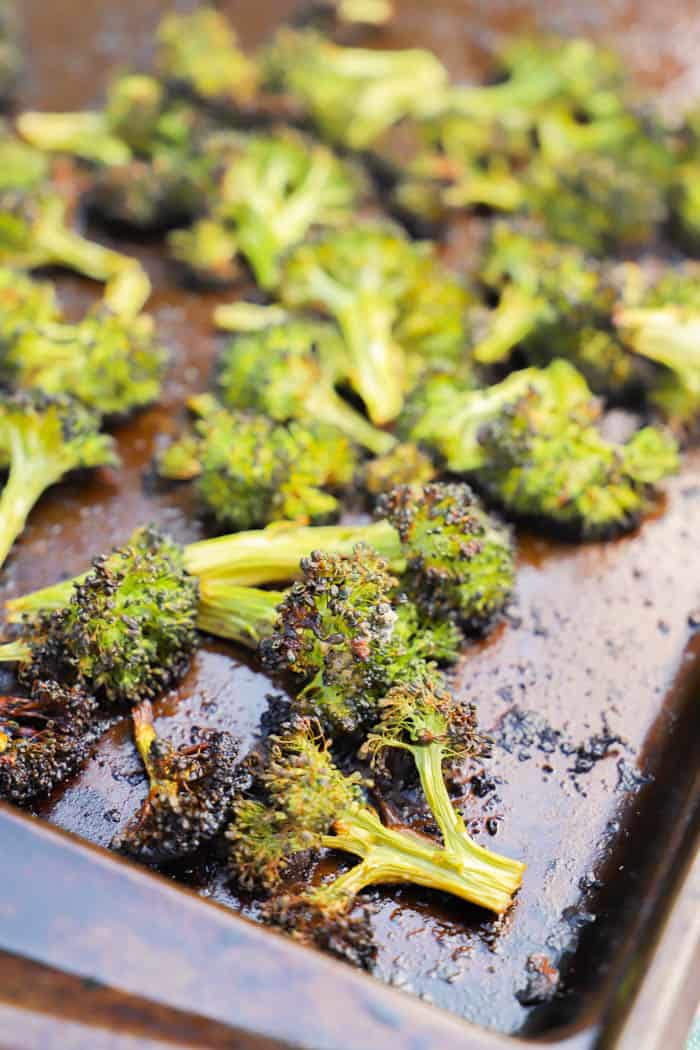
531,443
191,792
333,18
399,313
112,364
199,51
33,230
405,464
125,630
345,632
685,202
352,94
451,544
23,304
273,189
43,739
41,440
670,336
553,302
287,371
251,470
305,802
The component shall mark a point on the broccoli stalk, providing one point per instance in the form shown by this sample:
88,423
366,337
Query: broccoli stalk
42,440
275,188
309,803
389,300
460,560
190,795
86,134
288,371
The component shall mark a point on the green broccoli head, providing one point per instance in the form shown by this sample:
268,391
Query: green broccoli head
41,440
398,312
531,442
274,189
352,94
192,788
153,194
200,51
127,631
347,633
459,561
43,739
23,304
113,365
287,371
251,471
405,464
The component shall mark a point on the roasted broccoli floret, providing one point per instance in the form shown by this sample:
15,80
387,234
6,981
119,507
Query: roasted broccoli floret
442,530
553,302
200,51
125,630
405,464
43,739
288,371
190,795
111,363
352,94
251,470
34,230
400,314
23,304
345,632
273,189
531,443
41,440
305,803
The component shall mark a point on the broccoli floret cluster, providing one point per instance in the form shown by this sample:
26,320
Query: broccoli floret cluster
271,190
251,470
44,739
126,630
190,796
532,444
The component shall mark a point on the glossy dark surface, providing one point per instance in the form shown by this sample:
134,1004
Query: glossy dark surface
598,646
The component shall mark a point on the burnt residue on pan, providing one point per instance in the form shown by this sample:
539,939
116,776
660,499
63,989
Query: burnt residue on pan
586,688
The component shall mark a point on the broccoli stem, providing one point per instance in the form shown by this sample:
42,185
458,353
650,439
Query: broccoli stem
85,135
375,361
244,559
248,317
429,759
144,733
325,406
29,477
516,316
243,614
15,653
391,856
273,554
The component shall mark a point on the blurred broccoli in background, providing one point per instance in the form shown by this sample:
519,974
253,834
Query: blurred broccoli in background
200,52
532,444
352,94
553,302
272,190
288,371
191,792
41,440
251,470
401,315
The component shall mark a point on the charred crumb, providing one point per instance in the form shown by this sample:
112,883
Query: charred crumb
542,981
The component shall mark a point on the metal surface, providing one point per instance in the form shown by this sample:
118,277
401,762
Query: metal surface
599,646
